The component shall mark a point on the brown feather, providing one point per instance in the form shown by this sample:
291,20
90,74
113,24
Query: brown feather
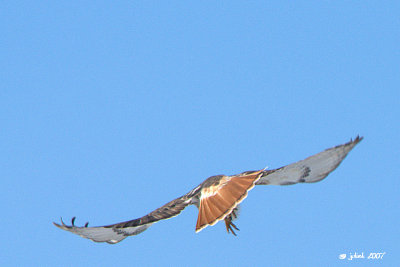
204,214
208,211
218,206
219,199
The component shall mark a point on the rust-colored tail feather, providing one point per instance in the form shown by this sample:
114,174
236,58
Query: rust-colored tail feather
227,195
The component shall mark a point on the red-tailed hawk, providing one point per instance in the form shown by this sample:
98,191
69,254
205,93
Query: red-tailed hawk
218,197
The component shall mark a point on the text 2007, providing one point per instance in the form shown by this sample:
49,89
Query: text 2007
376,256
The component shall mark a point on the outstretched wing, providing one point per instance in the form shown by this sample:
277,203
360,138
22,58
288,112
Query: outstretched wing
115,233
311,169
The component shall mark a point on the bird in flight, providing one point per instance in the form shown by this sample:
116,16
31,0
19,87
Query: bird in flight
218,197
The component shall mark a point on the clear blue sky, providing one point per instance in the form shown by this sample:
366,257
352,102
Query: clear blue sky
110,109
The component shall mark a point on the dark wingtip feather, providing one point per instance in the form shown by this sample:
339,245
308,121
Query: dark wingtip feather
357,140
62,225
65,227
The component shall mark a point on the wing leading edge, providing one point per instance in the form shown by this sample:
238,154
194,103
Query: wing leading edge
115,233
311,169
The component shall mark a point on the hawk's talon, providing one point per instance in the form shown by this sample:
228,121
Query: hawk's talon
229,225
234,226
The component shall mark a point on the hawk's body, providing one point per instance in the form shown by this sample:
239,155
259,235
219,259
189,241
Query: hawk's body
218,197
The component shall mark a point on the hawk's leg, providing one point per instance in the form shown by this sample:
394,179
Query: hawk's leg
229,224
